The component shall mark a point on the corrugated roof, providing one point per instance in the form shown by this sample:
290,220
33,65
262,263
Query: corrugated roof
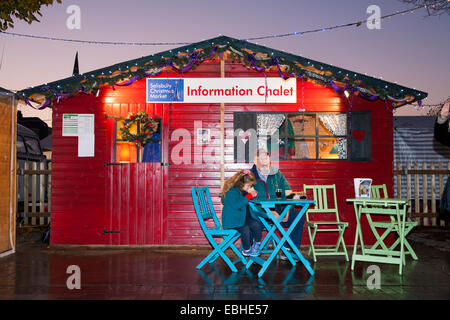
414,142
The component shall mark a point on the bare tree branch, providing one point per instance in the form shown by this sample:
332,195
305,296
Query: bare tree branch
433,7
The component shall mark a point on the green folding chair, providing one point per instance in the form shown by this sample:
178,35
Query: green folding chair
380,192
332,224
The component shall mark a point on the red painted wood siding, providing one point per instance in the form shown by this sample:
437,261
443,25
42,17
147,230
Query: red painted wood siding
80,206
136,193
89,198
78,184
183,226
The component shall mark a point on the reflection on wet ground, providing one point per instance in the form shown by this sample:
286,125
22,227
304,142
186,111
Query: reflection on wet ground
38,272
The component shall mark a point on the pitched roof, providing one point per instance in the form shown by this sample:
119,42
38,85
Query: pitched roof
5,90
259,57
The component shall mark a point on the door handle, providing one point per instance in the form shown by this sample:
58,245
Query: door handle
113,164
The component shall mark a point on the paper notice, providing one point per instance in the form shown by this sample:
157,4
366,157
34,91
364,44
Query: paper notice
86,145
81,126
70,125
85,124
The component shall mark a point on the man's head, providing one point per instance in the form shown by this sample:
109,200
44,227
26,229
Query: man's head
262,159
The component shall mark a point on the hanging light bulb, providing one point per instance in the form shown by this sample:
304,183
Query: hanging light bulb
347,94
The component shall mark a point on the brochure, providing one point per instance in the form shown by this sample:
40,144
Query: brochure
362,187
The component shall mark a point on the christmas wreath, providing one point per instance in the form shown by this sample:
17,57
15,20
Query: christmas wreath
147,126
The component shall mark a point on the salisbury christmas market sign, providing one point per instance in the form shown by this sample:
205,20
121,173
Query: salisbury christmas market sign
222,90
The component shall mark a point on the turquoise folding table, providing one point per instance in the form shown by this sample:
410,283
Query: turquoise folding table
267,205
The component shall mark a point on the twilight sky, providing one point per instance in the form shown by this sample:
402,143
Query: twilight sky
412,50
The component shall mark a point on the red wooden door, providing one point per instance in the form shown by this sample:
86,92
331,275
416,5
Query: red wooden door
136,194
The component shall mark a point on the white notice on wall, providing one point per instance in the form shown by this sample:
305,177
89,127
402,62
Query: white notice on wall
86,144
85,124
81,126
70,125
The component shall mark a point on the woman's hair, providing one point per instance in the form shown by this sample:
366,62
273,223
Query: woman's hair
238,180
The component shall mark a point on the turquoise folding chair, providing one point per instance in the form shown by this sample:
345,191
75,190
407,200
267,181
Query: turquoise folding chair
205,211
380,192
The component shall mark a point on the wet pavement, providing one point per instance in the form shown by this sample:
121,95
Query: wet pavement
37,271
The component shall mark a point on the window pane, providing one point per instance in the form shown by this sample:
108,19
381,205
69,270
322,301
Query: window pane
133,129
333,124
303,125
332,148
268,123
152,150
126,152
302,148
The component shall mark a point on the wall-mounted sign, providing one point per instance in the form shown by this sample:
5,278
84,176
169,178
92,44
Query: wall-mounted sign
221,90
203,137
81,126
70,125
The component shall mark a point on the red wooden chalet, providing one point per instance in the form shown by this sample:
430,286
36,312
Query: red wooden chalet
339,128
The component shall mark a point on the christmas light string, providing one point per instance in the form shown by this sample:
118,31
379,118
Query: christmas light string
92,81
356,23
340,82
295,33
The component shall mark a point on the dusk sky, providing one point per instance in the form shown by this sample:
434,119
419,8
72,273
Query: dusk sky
412,50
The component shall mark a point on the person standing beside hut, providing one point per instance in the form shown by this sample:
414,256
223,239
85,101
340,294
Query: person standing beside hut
442,125
442,134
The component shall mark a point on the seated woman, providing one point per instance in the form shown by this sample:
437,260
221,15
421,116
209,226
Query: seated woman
236,193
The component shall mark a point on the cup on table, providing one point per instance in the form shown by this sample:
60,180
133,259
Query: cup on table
278,194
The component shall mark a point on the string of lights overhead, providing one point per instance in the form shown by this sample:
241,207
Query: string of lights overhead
289,34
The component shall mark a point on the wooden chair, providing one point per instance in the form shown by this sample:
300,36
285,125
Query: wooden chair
205,211
321,207
380,192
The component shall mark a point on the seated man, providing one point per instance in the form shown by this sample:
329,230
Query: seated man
268,179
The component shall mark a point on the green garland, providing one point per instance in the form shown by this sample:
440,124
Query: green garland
238,52
147,126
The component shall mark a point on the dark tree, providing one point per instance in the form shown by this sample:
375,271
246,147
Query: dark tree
25,10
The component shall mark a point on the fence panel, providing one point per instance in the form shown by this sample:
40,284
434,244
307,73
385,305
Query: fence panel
33,192
427,190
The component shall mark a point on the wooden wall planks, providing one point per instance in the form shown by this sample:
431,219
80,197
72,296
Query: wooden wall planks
83,199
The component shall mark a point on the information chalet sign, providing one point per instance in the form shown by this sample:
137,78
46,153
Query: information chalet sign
221,90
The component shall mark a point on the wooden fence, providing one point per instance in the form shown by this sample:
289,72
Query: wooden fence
424,186
410,178
34,190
